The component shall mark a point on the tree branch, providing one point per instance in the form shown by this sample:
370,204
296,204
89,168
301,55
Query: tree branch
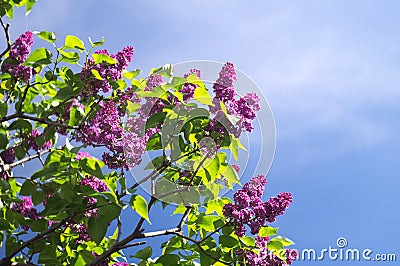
198,244
7,167
36,238
6,28
37,119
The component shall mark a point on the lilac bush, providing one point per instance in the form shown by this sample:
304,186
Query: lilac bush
70,207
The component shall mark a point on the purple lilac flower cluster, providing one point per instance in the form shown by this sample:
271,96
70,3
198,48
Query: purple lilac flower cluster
8,156
82,154
224,86
245,108
105,128
18,54
75,102
26,209
250,210
127,151
107,72
82,231
152,105
189,88
98,186
153,81
32,141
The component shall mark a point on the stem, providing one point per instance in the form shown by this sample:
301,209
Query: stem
7,167
6,28
198,244
21,104
37,119
36,238
213,232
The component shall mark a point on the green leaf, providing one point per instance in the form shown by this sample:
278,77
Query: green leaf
99,43
231,176
131,74
84,258
228,241
20,124
202,96
96,74
166,70
104,59
248,240
154,143
213,167
216,205
284,240
54,205
234,150
207,222
73,42
76,114
69,57
109,212
144,254
27,188
39,57
4,224
139,204
155,163
168,260
92,166
48,256
155,120
275,245
267,231
97,228
38,197
39,225
3,109
46,35
157,92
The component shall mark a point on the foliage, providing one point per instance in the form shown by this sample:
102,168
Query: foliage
60,102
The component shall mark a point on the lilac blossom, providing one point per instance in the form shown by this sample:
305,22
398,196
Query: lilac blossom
26,209
18,54
249,209
8,156
107,72
32,141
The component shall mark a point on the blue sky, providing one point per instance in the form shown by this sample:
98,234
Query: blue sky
330,72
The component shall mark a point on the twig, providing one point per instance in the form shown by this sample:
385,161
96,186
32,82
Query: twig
184,216
21,104
36,238
198,244
37,119
6,28
135,244
213,232
7,167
